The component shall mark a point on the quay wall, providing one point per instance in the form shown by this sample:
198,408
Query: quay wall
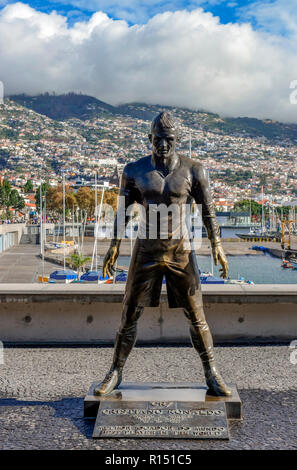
90,314
10,235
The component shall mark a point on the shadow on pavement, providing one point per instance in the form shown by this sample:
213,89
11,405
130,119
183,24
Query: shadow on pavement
67,408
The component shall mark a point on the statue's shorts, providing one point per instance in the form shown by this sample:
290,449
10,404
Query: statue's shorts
146,273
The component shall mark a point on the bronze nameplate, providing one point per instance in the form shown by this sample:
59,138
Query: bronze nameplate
171,420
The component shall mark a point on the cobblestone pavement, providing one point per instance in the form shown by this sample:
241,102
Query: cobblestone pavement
42,391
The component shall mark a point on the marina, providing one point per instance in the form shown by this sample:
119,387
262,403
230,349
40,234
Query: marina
22,263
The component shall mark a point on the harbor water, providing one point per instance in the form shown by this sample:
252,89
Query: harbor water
261,269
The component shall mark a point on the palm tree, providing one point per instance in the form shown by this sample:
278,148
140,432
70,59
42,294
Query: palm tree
77,261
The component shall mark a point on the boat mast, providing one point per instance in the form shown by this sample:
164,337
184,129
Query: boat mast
97,219
44,231
95,228
44,225
263,221
64,261
131,236
41,232
72,216
40,228
96,223
211,257
192,205
190,145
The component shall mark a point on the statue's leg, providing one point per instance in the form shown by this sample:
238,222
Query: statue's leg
125,340
202,341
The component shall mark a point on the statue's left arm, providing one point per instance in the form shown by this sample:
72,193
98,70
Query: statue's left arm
201,193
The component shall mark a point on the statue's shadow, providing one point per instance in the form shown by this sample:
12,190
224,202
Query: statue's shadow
68,408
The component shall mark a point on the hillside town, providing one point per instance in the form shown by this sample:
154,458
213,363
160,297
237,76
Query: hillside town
35,148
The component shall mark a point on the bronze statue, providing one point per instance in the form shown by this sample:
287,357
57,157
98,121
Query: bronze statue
165,178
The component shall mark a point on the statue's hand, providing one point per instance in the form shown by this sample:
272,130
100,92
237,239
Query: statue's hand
219,256
109,261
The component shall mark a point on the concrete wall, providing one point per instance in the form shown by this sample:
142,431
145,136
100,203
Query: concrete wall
91,314
15,229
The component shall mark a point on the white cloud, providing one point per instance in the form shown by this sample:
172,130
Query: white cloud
181,58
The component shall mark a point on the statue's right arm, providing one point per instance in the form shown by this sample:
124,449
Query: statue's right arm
128,195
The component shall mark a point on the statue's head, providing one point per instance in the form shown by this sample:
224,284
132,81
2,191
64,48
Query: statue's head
163,135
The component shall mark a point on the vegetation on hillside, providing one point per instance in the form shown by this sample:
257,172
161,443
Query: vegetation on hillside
73,105
10,198
256,209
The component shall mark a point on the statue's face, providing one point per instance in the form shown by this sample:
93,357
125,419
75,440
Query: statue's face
163,143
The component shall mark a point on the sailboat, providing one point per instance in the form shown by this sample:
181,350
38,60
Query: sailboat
94,275
62,275
262,234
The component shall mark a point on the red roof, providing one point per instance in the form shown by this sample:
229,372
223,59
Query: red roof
223,203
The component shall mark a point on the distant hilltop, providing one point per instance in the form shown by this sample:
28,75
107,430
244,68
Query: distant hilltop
83,107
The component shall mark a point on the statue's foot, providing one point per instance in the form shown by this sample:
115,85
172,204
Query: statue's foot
216,385
111,381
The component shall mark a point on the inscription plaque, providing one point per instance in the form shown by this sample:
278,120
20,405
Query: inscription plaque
172,419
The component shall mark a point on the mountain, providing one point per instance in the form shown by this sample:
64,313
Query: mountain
72,105
62,107
83,107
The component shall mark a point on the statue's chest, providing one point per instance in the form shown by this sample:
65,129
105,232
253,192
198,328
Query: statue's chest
158,188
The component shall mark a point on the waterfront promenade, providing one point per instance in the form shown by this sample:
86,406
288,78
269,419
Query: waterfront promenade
22,263
42,391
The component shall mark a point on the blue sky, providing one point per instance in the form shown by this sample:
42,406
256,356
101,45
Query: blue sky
271,16
134,11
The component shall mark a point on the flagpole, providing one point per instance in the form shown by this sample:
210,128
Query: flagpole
262,209
40,209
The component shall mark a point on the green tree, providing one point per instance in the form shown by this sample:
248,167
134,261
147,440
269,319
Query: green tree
28,188
5,189
15,200
283,211
77,261
10,198
245,204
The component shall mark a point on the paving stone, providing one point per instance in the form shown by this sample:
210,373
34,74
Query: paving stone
42,392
